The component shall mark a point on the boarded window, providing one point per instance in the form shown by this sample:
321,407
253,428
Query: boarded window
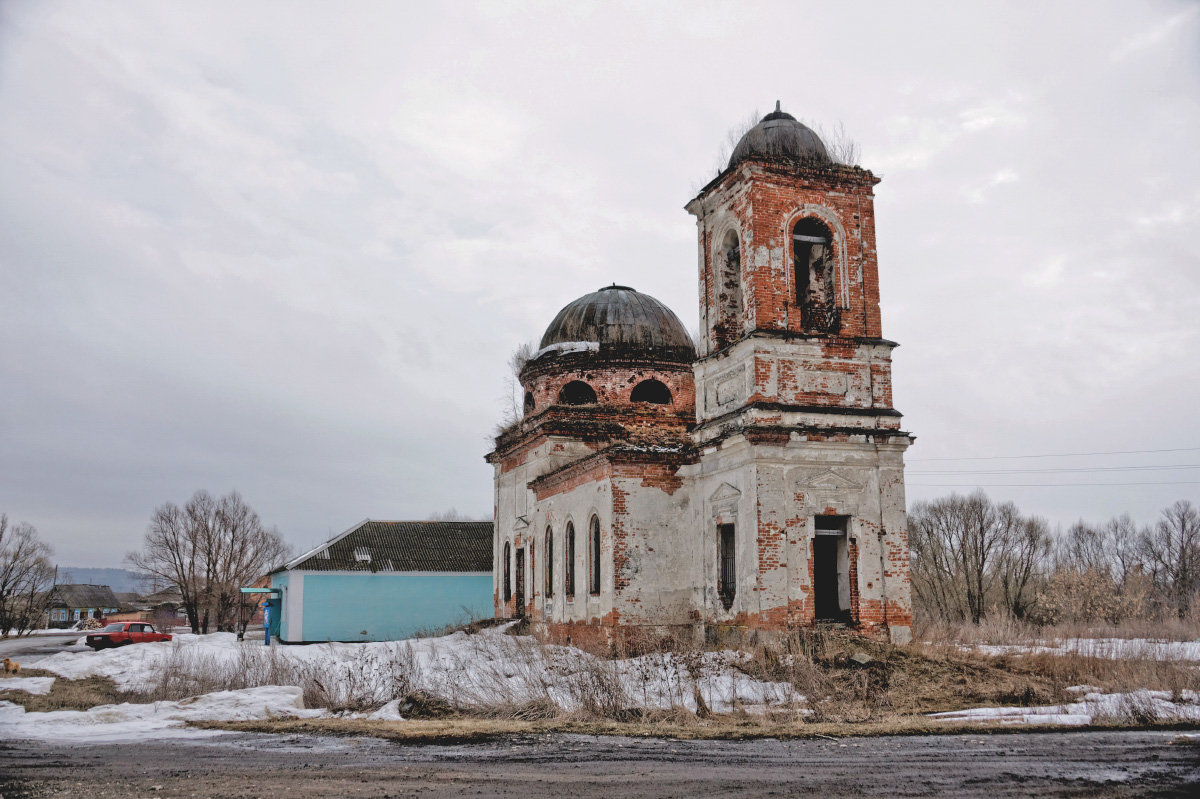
651,391
577,392
549,563
594,554
570,567
726,565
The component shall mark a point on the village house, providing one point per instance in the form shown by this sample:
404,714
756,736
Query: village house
70,603
385,581
753,480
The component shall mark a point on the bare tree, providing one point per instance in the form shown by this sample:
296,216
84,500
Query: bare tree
454,515
26,577
210,548
1022,558
1171,549
732,137
970,554
841,148
514,402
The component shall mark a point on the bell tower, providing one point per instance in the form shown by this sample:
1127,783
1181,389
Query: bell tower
793,387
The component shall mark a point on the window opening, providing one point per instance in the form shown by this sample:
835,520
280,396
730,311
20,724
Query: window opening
577,392
520,581
594,554
570,568
728,273
529,404
813,247
507,574
831,570
549,563
726,565
651,391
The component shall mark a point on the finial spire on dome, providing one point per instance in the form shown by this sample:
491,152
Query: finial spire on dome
777,108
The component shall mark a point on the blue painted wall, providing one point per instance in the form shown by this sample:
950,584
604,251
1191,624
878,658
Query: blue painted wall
280,580
383,607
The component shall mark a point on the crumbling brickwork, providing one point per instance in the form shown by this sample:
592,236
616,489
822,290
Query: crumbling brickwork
762,484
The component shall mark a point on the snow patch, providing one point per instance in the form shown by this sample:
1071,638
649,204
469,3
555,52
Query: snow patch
1141,705
567,346
127,721
30,685
1109,648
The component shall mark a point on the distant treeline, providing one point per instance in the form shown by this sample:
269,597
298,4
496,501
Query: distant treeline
972,557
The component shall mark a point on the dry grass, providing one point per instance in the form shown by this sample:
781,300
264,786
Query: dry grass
1004,629
467,730
521,685
69,694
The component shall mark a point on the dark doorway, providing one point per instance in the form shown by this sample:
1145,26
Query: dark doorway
521,581
831,570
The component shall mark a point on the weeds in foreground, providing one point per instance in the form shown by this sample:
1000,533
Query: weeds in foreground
811,678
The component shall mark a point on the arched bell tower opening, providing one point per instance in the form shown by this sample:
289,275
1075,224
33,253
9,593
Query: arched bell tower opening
727,268
813,267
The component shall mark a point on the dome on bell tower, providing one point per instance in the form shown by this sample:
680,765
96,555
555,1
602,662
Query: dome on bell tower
779,136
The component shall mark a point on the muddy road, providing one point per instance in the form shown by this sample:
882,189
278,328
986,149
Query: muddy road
1094,764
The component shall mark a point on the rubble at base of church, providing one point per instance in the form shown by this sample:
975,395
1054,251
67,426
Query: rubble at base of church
751,488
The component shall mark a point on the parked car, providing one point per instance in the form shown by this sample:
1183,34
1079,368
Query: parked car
123,633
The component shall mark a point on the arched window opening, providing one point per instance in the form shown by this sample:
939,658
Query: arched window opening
728,273
651,391
577,392
813,246
594,554
529,404
549,563
570,568
520,581
507,572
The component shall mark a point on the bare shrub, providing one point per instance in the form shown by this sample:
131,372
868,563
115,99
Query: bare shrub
365,681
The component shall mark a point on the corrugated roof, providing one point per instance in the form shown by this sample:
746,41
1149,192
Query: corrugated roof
82,595
375,546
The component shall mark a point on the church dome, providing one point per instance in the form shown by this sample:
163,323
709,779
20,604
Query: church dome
620,321
779,136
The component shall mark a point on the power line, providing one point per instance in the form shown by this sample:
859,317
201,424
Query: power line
1059,455
1048,485
1060,470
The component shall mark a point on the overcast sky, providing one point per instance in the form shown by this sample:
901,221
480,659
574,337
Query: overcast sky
288,247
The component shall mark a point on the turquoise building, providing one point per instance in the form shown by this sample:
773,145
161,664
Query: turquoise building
385,581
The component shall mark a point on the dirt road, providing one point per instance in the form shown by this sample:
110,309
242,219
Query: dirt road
296,767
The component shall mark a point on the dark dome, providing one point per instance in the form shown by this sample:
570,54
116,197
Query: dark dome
780,136
621,321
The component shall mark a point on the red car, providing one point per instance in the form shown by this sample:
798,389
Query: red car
122,633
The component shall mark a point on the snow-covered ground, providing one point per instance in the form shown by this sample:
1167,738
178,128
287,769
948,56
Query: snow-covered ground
112,723
30,685
1092,707
224,679
1112,648
488,669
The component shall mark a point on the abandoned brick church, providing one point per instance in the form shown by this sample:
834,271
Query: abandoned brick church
755,484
